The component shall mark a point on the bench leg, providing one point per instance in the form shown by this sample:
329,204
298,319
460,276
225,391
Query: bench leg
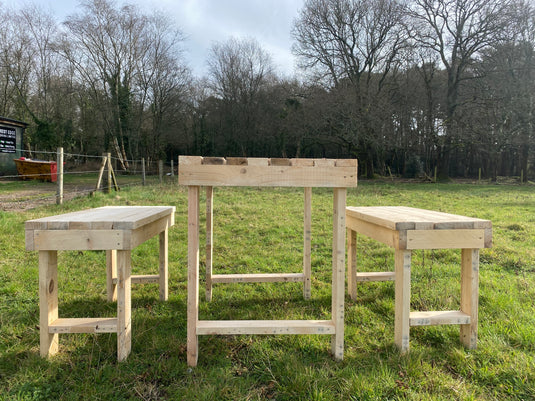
111,274
307,247
193,275
470,295
164,265
338,267
209,240
48,301
403,299
124,302
352,263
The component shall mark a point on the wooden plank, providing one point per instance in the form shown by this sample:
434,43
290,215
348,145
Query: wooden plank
48,301
307,243
84,325
189,160
101,172
346,163
193,275
382,216
28,240
352,263
434,318
80,240
237,161
209,240
324,162
149,230
402,260
469,295
279,162
124,302
408,218
139,216
103,218
258,161
142,279
235,327
338,271
258,278
111,275
376,276
36,224
216,161
488,237
302,162
163,266
379,233
270,176
445,239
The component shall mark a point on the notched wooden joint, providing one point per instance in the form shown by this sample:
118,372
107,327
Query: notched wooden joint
274,161
214,161
237,161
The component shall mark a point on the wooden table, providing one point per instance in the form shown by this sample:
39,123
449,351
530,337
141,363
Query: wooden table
405,229
196,171
117,230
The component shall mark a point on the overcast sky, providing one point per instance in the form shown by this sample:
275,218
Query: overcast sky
207,21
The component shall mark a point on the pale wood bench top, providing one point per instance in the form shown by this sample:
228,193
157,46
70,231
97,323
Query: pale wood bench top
103,228
103,218
409,218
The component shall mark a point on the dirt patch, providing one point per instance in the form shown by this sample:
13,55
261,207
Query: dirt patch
40,195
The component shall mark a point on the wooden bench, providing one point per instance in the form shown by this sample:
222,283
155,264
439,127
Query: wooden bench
405,229
195,171
117,230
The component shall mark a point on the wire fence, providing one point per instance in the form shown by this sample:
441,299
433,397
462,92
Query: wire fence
70,175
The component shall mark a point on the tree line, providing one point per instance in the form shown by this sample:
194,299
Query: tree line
408,87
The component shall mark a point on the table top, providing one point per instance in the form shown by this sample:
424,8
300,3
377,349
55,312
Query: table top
267,172
409,218
103,218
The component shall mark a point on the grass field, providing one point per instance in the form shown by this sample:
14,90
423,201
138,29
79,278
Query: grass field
260,230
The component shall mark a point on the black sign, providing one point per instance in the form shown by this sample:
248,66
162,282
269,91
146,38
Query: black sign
8,140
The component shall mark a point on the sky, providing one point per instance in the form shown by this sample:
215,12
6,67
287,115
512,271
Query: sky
205,22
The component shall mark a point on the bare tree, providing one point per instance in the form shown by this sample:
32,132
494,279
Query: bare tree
348,38
16,65
352,45
458,31
238,69
106,45
162,82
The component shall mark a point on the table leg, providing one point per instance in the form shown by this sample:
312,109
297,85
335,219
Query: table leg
470,295
307,247
124,302
164,266
111,274
352,263
48,301
402,299
193,275
338,268
209,240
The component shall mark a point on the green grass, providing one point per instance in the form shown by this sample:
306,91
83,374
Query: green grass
260,230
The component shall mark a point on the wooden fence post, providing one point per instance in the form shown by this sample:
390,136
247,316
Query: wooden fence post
109,173
172,168
160,170
143,171
59,175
